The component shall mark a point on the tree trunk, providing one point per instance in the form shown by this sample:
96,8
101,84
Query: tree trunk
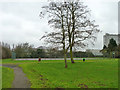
65,60
72,35
71,55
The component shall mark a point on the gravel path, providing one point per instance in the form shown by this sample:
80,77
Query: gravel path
20,80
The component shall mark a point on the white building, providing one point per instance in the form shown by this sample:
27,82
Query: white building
107,37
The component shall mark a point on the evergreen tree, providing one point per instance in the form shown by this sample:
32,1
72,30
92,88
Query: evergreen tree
112,45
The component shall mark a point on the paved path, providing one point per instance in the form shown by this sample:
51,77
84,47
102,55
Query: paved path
20,80
56,58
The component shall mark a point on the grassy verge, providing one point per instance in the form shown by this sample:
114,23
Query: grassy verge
9,61
7,77
0,77
89,74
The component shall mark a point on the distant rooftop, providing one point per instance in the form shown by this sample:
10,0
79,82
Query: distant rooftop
112,34
95,52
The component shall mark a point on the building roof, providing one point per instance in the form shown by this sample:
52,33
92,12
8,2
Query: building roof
95,52
107,34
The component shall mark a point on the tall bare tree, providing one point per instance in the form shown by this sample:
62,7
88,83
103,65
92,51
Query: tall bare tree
79,26
56,13
72,24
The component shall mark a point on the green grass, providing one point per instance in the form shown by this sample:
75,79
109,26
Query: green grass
11,61
0,77
101,73
7,77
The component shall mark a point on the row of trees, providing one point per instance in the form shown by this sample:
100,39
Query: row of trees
72,26
5,51
21,50
27,51
24,50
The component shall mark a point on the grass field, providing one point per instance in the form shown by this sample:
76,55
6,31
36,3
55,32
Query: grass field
0,77
7,77
101,73
7,61
91,74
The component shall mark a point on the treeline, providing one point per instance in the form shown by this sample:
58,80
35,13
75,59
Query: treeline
28,51
25,50
5,51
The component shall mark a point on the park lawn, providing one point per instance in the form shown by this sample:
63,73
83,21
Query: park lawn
11,61
89,74
7,77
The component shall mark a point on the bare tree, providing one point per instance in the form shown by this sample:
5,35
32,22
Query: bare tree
79,26
56,13
72,24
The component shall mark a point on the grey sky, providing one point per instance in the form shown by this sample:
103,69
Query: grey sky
20,21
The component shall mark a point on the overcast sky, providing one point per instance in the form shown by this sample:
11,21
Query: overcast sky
20,21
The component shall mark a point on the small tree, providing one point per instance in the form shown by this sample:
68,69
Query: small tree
112,45
111,49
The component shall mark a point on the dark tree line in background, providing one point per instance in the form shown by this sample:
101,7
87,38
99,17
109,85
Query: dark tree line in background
24,50
5,51
28,51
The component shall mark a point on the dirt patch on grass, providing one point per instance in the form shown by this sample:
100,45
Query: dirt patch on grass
82,86
41,75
